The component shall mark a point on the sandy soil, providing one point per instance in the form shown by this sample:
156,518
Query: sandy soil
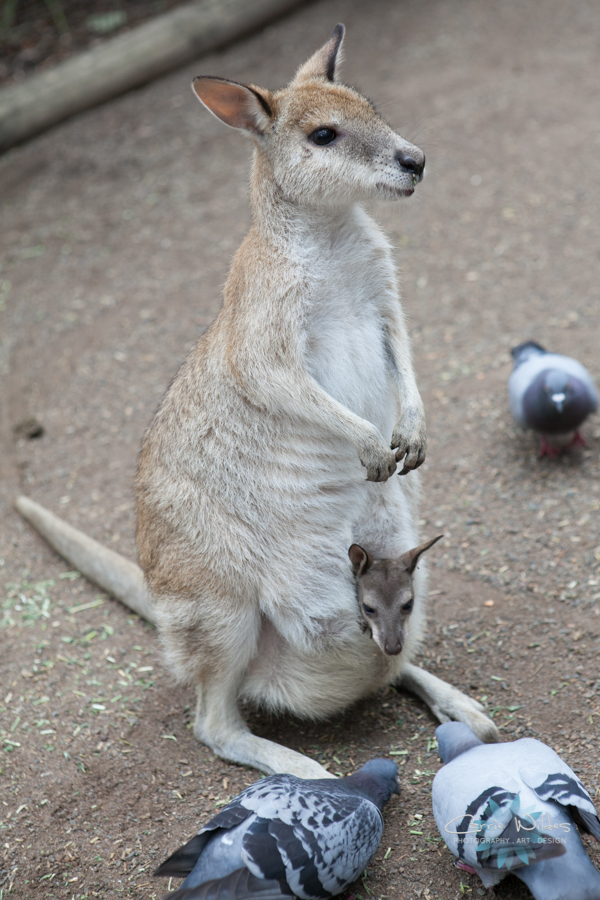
117,230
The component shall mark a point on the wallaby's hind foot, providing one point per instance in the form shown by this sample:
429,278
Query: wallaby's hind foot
448,703
110,571
220,726
244,748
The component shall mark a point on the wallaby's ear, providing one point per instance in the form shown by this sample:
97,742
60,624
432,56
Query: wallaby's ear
360,559
325,62
238,105
411,557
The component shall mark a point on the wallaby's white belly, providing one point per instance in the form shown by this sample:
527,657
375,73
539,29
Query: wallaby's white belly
346,355
346,348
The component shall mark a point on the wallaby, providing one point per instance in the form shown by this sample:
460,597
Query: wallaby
270,453
386,595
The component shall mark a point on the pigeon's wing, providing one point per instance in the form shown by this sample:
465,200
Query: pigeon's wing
490,831
269,796
487,813
240,885
552,779
320,841
496,833
465,797
317,837
517,844
181,863
519,380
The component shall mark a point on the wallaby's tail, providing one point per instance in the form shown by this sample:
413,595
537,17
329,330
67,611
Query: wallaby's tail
113,573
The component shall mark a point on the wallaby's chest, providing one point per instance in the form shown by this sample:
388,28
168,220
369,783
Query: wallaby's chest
347,350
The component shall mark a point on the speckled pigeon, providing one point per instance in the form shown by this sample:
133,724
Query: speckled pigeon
514,807
287,837
552,394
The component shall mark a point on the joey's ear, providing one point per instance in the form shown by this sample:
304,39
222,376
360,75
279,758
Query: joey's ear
238,105
411,557
360,559
325,62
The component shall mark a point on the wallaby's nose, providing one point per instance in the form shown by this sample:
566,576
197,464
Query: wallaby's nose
408,162
393,647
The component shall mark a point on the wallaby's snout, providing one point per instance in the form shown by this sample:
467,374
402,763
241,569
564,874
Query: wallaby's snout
394,647
413,163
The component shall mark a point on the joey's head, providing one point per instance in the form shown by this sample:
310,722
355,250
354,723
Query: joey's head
385,594
320,142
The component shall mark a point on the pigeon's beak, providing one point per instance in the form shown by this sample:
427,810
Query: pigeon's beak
397,791
559,401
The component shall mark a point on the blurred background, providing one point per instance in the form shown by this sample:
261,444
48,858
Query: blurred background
36,34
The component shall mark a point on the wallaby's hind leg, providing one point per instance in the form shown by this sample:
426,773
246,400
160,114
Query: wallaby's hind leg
447,702
215,652
220,725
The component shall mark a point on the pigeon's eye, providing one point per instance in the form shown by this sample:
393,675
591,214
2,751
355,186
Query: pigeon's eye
368,610
408,606
323,136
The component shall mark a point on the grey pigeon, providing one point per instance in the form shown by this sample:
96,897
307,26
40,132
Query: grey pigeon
287,837
552,394
514,807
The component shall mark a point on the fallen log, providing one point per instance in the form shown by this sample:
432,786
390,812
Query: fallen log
128,61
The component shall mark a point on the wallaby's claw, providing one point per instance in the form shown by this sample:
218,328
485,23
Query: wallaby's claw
409,442
413,458
381,472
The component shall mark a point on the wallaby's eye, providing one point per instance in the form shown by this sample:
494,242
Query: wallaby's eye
408,606
323,136
368,610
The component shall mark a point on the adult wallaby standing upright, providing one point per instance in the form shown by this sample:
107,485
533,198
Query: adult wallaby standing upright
274,447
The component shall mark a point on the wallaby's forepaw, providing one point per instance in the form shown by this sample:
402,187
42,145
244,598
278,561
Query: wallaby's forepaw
378,460
409,441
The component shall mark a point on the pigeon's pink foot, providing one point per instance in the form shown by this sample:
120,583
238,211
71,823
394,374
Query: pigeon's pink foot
461,865
578,440
547,449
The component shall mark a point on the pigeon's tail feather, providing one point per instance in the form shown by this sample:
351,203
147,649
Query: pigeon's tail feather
586,821
518,845
523,352
181,863
239,885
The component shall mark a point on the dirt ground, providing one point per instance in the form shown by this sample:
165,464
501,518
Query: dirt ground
117,230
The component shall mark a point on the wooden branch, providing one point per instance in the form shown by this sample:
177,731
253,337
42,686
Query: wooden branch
127,61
